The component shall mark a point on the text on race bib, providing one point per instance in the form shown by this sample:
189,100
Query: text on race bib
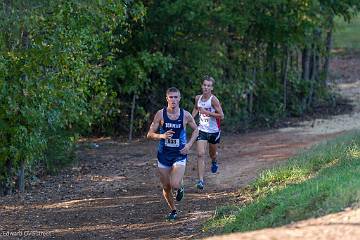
205,120
172,142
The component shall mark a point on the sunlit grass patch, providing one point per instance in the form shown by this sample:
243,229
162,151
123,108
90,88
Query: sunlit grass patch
322,180
354,151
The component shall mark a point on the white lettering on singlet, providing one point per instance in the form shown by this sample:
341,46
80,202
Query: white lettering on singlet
172,125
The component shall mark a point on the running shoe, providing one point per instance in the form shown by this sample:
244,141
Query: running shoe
200,184
172,215
214,166
180,194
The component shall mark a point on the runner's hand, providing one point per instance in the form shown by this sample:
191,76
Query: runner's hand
203,111
185,150
168,134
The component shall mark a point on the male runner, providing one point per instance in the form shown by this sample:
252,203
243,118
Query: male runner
173,147
210,114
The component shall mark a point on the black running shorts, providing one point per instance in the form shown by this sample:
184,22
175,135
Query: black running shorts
212,138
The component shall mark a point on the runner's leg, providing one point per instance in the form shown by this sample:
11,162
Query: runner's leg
177,174
201,149
165,181
213,156
213,151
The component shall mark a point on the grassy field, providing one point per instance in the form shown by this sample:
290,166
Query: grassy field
347,35
322,180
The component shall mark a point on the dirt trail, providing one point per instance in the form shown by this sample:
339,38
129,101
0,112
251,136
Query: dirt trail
343,225
113,191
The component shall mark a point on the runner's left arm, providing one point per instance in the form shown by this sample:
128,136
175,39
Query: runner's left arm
191,122
218,110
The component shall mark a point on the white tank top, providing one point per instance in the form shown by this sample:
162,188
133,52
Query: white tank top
207,123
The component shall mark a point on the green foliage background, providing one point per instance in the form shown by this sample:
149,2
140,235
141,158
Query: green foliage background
70,67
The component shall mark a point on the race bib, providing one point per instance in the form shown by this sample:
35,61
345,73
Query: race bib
172,142
205,121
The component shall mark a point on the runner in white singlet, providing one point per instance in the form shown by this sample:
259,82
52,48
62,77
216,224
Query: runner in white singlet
210,114
208,123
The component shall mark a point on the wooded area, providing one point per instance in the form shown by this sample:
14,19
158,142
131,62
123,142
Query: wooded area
70,68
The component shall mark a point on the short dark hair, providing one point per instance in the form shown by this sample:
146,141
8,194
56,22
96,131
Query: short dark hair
172,89
209,78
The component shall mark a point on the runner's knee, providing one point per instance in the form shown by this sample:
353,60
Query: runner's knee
213,155
175,185
201,154
167,187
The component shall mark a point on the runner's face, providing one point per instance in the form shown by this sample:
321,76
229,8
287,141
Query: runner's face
173,99
207,86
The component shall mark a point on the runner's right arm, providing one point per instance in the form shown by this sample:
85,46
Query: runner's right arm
195,111
154,127
191,122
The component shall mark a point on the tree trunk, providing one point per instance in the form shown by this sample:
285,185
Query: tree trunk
21,173
314,67
297,64
21,177
284,76
251,96
305,75
328,49
8,182
132,116
312,78
306,64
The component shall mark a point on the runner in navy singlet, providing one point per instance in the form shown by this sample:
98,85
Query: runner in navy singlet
173,147
210,114
169,149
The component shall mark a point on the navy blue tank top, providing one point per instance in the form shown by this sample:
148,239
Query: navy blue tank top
172,146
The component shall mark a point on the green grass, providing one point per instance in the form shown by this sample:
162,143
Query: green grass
323,180
347,35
